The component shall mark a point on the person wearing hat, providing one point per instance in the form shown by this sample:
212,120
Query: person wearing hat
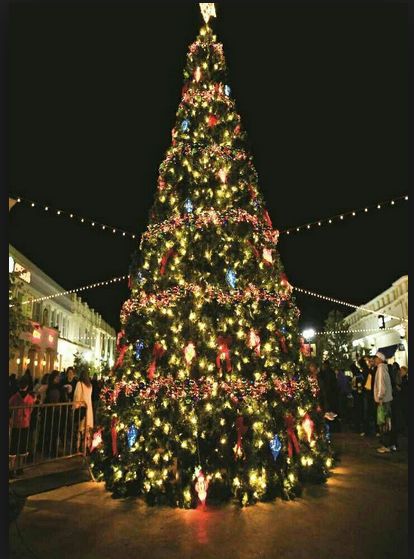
383,398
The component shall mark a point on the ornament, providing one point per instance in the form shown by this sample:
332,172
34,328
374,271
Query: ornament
308,426
284,282
201,485
208,10
197,74
189,353
185,125
114,436
161,184
252,191
282,341
327,432
231,278
139,346
292,439
223,343
268,256
132,436
237,129
164,261
253,341
212,120
188,205
227,90
96,439
157,352
275,447
223,175
241,429
267,219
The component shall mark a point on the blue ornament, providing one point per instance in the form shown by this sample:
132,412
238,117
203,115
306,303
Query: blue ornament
185,125
231,278
132,435
139,346
275,447
188,205
227,90
283,329
327,432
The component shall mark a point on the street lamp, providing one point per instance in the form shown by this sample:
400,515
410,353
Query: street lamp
309,334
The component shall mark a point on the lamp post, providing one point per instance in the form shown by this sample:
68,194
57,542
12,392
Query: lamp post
308,334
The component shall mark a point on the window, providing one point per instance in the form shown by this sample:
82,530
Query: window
45,317
36,312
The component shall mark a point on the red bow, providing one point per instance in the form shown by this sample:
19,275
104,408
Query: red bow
164,260
157,352
114,436
282,341
223,350
267,219
292,440
241,430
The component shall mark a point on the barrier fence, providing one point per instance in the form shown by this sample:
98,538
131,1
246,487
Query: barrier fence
44,432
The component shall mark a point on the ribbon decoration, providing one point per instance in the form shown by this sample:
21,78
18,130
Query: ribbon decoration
308,426
121,349
164,260
268,256
157,352
114,436
223,343
282,341
241,429
267,219
284,282
292,439
253,341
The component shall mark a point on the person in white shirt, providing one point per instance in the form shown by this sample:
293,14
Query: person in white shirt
383,398
83,393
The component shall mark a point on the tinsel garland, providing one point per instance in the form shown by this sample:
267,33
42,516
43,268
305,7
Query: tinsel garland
203,388
211,217
168,296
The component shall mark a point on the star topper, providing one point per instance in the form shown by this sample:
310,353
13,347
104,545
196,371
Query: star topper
208,11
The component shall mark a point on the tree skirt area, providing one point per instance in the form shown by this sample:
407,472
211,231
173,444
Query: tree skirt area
361,512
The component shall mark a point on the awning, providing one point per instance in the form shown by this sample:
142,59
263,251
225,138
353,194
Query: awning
389,350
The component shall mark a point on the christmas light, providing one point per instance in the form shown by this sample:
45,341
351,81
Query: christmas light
208,10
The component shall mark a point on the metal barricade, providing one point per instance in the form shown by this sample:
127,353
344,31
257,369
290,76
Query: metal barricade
45,432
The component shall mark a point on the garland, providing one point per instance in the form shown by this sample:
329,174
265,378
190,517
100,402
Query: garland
192,390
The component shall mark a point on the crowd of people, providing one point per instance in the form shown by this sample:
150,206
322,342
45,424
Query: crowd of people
372,400
29,431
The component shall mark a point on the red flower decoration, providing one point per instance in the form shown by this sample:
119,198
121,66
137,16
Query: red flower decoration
212,120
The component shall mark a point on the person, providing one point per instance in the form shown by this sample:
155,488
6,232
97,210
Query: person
344,390
96,390
70,382
83,393
331,387
317,375
13,385
367,398
358,397
40,389
28,376
54,418
20,423
383,398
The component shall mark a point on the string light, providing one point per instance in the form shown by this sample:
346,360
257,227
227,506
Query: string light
362,330
338,302
341,217
130,235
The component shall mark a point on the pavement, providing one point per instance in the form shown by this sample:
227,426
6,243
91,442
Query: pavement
360,513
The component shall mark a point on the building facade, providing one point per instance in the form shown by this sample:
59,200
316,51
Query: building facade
381,332
59,327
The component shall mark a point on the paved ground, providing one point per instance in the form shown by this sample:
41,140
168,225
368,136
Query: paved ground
361,513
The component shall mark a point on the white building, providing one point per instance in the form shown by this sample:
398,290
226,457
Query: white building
392,338
60,327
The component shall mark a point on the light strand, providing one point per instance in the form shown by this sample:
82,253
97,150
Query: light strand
342,216
358,331
346,304
129,235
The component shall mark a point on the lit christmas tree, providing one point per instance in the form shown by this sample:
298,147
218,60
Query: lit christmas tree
210,401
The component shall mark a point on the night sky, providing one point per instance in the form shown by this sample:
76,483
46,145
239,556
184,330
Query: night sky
322,90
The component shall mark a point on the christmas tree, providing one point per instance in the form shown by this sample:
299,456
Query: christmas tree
209,400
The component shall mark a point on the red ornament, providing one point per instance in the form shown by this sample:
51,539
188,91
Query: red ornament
237,129
292,439
164,261
223,343
157,352
212,120
241,429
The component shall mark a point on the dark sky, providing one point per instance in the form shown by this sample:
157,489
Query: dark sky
322,90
